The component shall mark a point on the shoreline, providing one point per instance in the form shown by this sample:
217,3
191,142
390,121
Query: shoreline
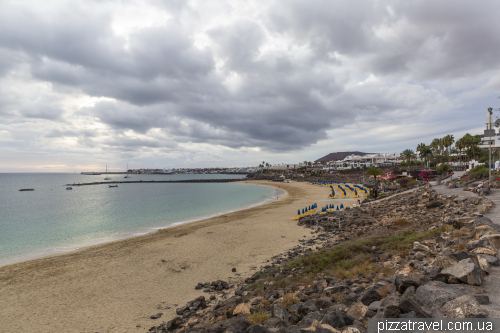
115,286
64,249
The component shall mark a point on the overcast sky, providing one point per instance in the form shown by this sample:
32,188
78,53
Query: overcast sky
213,83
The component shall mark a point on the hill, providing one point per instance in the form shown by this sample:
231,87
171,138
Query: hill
339,156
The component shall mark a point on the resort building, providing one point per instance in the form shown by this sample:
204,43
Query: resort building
367,161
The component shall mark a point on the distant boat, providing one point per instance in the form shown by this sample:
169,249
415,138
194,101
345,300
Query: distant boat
113,185
27,189
107,178
127,176
69,188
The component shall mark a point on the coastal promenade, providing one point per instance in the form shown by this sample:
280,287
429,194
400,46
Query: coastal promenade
117,286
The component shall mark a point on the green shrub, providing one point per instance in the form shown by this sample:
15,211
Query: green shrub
444,168
479,172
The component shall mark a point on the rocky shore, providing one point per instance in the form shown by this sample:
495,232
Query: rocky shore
415,255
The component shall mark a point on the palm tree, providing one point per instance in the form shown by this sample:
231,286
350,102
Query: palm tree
435,144
408,155
424,152
447,141
421,146
460,145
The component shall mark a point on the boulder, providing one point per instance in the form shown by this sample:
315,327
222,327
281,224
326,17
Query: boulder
463,307
174,323
280,313
420,247
275,322
317,327
411,305
409,292
492,260
259,329
374,306
309,319
337,319
466,271
239,326
435,293
241,308
323,302
485,250
336,289
181,310
310,306
389,308
492,240
442,262
483,264
370,296
358,310
402,282
483,192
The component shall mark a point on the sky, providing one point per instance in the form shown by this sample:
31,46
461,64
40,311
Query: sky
202,83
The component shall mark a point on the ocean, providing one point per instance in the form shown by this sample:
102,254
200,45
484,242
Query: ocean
53,220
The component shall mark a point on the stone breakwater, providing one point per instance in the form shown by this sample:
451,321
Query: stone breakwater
160,181
416,255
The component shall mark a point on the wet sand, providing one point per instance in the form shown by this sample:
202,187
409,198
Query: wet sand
116,286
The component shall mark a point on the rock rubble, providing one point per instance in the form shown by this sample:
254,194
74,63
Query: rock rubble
435,276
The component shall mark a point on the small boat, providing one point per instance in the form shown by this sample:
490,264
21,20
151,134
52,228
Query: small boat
27,189
113,185
69,188
127,176
107,177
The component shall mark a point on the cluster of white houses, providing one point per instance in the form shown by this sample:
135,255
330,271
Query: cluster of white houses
350,162
367,161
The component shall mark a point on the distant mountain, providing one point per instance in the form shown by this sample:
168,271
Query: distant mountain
339,156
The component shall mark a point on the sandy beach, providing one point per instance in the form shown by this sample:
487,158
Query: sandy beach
117,286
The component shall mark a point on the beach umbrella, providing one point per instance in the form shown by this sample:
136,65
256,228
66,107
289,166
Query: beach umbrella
303,211
341,205
306,209
337,207
298,213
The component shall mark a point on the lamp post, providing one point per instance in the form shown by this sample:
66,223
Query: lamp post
489,124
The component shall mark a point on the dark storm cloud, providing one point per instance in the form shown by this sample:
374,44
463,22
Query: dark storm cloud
240,89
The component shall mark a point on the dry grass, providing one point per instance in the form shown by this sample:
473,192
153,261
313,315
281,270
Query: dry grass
352,268
339,298
461,246
385,291
265,302
387,271
401,223
288,300
348,259
403,253
460,233
258,317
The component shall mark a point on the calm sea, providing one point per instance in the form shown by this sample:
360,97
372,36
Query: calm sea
53,220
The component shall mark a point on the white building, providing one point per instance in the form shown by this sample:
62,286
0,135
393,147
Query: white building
367,161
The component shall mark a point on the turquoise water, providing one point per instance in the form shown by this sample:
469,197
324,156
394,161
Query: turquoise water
52,219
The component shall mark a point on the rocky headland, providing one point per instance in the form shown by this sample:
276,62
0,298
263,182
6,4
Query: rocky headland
418,254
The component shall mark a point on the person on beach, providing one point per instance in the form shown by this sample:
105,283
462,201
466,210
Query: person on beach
458,178
451,175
